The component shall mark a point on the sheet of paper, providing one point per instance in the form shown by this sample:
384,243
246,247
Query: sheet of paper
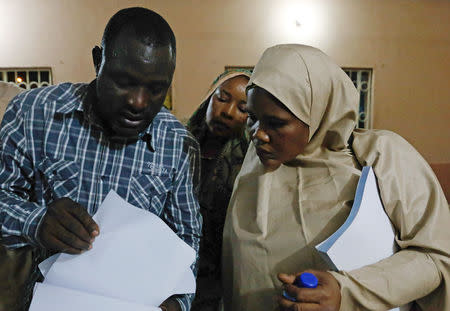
136,258
48,297
45,266
366,236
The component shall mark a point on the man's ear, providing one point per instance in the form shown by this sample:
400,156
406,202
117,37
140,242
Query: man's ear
97,58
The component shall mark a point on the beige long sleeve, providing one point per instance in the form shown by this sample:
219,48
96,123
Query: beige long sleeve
416,205
393,282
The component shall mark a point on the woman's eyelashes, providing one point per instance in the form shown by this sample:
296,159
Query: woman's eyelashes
267,123
229,100
221,99
222,96
275,123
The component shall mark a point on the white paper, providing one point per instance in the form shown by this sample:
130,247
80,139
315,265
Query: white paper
354,244
45,266
48,297
136,258
367,236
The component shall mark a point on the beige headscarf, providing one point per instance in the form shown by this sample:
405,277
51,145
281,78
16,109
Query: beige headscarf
7,92
275,219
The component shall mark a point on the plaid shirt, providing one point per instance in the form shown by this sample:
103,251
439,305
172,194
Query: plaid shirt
51,148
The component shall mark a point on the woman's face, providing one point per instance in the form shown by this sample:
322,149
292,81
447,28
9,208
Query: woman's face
279,136
226,113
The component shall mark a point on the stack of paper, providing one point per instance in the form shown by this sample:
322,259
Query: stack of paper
136,262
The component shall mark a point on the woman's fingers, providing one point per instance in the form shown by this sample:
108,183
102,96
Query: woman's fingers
286,278
326,296
310,295
287,305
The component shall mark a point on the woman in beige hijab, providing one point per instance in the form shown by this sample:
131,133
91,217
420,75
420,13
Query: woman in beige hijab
296,187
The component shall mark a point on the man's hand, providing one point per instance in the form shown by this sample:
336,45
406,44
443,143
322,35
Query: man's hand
67,227
170,304
326,297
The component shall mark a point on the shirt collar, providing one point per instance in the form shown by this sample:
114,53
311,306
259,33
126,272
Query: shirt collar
147,135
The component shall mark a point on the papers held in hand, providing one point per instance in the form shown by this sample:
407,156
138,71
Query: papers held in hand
136,262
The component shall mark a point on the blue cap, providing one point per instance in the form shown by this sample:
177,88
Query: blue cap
307,280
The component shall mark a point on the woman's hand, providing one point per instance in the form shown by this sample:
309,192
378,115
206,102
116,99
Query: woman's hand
326,297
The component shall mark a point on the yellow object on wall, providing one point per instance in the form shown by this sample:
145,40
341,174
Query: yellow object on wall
168,101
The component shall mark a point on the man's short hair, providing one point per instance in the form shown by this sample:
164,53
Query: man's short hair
150,28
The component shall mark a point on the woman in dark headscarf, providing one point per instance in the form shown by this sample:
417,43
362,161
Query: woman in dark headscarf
219,126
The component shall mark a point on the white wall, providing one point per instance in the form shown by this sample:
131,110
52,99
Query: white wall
406,42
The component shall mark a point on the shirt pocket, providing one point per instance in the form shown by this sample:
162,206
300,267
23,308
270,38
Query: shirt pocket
61,178
150,192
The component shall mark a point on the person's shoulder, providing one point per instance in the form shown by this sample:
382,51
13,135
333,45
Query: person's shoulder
380,138
40,97
383,145
166,120
174,131
9,90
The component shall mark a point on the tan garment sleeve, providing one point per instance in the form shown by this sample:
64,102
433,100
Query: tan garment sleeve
416,205
7,93
393,282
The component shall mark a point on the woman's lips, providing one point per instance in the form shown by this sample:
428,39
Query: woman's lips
263,154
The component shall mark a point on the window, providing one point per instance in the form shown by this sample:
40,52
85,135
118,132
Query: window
362,79
27,78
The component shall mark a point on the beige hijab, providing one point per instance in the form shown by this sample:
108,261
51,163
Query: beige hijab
7,92
275,219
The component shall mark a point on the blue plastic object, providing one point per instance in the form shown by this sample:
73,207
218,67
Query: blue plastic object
305,279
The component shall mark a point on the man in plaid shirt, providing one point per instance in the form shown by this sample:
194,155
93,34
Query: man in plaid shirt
62,148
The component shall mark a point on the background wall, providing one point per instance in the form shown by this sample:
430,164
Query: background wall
406,42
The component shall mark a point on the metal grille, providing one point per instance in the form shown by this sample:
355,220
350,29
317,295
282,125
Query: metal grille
27,78
362,79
